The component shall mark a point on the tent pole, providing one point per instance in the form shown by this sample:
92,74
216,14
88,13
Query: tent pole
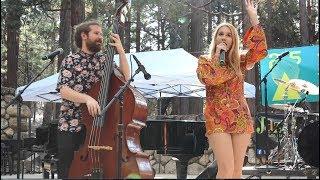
160,105
160,118
34,112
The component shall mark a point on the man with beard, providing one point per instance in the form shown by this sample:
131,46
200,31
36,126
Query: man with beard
79,71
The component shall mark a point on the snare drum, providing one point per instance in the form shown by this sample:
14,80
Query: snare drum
308,143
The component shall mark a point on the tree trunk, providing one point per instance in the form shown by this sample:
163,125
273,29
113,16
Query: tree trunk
13,54
159,27
313,36
219,16
64,30
196,34
303,22
127,39
95,8
77,16
13,25
121,28
175,40
163,34
209,35
138,27
268,30
162,23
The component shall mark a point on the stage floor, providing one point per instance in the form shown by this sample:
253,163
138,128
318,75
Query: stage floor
272,171
169,176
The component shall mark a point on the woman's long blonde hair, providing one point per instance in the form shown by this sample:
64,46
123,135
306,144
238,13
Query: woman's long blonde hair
233,55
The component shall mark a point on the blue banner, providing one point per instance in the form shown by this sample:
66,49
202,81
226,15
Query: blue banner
301,63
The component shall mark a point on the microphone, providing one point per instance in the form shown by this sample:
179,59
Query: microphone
146,75
53,54
283,55
222,57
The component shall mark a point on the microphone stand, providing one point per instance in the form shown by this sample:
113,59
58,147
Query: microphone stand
18,99
264,80
119,96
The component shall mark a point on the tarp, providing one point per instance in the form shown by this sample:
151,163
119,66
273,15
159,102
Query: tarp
43,90
173,73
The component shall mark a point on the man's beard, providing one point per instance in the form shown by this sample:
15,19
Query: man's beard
93,46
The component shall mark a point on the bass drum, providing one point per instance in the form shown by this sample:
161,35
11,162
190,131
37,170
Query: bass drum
308,144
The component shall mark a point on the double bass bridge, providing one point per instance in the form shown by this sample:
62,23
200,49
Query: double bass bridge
101,148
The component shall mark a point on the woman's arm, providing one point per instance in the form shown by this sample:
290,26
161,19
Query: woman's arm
211,73
252,12
254,39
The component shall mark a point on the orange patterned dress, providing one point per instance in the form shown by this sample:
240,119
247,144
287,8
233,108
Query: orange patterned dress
226,109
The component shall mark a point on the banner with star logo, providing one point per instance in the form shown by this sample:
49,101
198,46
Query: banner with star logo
298,70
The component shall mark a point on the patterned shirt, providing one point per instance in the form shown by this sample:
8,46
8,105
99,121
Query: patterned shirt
226,109
79,72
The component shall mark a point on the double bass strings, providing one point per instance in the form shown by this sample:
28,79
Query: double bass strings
95,133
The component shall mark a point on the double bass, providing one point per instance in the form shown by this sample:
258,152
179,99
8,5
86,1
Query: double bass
111,147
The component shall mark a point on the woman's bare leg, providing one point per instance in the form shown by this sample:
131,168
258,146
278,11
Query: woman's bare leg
240,144
221,145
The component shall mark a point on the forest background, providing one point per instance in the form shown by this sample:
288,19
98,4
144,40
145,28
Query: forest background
31,28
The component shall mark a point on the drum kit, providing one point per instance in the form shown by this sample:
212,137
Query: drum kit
300,129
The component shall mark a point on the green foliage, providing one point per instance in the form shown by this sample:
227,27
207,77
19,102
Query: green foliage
16,10
99,9
282,22
156,12
38,35
39,25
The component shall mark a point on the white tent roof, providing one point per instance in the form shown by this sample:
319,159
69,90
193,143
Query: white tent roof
173,73
43,90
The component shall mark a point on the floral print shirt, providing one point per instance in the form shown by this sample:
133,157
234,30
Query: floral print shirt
226,109
79,71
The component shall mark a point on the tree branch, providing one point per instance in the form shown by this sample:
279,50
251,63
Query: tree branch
144,27
206,4
212,13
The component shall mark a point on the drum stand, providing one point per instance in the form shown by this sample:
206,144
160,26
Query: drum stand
288,144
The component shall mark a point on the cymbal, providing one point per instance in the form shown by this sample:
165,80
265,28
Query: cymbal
281,81
286,107
304,86
287,84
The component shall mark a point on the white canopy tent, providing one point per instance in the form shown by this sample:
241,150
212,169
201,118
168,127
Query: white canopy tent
173,73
